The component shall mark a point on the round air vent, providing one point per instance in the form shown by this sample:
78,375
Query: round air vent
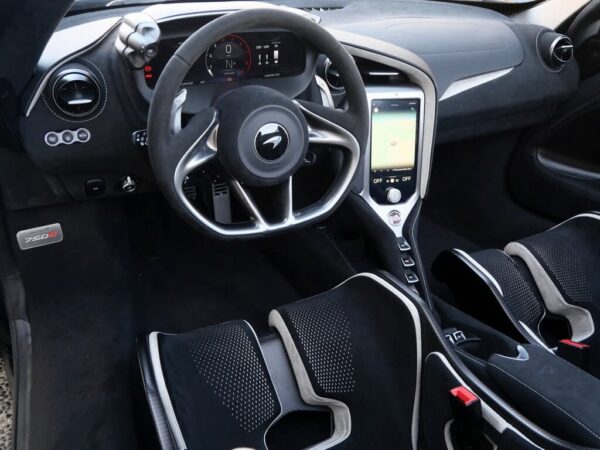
562,50
76,93
556,49
332,77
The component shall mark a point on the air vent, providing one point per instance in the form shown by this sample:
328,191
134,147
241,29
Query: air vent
76,93
556,49
372,73
332,77
562,50
316,9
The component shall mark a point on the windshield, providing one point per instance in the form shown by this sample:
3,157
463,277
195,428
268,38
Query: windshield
87,5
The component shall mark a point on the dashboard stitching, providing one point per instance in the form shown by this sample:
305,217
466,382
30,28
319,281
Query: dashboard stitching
99,111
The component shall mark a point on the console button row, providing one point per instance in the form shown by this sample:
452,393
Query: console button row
407,262
67,137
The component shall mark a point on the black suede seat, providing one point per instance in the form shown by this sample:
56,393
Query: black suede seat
359,361
497,289
364,363
354,351
565,265
549,277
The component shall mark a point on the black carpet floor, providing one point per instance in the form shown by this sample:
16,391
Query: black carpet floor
125,269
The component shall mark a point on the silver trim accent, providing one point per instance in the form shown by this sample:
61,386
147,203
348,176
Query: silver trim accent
404,208
383,74
163,392
342,421
394,56
306,389
533,336
522,354
481,269
565,169
590,215
580,319
466,84
321,131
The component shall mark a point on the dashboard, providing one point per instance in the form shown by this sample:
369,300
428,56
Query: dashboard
85,112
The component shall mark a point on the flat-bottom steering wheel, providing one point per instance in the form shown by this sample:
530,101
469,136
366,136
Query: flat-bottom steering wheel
258,135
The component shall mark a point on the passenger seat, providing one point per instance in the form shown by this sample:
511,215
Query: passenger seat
543,289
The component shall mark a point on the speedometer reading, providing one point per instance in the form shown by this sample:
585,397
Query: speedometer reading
229,59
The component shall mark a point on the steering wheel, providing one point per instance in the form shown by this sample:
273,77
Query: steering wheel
258,135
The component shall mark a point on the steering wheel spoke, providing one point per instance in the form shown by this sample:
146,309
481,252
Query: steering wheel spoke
282,198
329,127
249,203
199,140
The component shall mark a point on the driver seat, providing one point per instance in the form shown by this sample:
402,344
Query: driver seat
354,351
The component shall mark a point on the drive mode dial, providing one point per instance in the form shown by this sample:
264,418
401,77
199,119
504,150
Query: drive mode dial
393,195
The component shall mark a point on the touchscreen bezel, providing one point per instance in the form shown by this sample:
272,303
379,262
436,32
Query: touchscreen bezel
402,178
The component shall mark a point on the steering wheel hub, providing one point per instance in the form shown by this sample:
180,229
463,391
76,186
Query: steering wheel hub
262,136
271,141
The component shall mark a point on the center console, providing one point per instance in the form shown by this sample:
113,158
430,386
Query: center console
393,165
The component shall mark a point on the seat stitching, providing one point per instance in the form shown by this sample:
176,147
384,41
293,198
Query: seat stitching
545,398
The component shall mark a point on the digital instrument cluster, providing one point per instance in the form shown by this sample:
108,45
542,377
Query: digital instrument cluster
252,55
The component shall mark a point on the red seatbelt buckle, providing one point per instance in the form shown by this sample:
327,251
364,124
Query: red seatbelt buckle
576,353
464,396
467,415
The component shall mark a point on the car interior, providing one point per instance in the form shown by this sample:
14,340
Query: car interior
299,224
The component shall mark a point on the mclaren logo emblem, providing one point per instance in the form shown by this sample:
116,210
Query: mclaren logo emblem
271,141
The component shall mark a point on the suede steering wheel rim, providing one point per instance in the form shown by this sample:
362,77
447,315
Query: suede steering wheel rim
225,129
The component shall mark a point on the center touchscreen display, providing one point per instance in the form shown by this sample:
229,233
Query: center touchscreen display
394,142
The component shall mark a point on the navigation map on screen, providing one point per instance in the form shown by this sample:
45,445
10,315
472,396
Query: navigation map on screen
393,134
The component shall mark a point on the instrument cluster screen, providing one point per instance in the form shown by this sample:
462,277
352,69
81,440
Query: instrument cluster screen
394,143
253,55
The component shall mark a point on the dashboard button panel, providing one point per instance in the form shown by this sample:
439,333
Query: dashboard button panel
67,137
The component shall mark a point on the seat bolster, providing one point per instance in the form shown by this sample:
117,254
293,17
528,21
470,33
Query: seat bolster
340,341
